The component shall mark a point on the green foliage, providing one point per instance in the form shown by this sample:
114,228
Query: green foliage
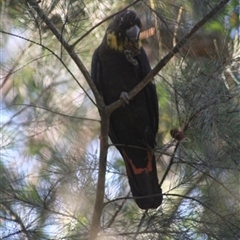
50,127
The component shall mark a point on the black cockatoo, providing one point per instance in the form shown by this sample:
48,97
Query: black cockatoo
118,65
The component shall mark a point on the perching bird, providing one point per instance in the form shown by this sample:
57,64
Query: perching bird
118,65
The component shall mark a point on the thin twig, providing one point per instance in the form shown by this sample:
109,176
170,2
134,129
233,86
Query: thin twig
170,164
140,224
15,217
54,54
101,22
117,211
112,107
52,111
107,110
177,25
98,205
68,48
205,206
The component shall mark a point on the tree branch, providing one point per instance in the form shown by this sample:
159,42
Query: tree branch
98,206
69,49
169,56
15,217
51,52
107,110
205,206
170,164
53,112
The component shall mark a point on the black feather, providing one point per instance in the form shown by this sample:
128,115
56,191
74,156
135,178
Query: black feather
133,127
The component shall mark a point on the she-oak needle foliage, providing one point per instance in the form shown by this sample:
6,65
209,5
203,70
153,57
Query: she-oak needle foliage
50,137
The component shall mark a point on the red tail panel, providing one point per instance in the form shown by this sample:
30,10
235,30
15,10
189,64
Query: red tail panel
144,182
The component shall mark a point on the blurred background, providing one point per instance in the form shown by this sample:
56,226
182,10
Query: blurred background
50,124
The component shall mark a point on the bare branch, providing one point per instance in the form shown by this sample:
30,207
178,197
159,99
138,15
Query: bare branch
98,206
69,49
169,56
52,52
54,112
107,110
170,164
